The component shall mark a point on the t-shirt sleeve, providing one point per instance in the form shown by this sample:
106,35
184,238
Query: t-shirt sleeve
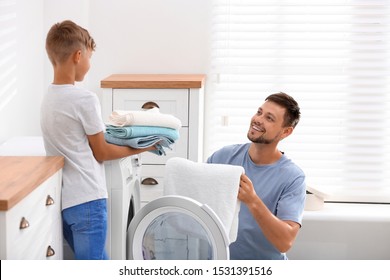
210,159
291,203
90,115
221,156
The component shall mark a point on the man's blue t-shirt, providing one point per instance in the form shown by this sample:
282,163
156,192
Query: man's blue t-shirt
280,185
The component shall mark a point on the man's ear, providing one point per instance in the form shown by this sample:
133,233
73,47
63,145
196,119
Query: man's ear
286,132
77,56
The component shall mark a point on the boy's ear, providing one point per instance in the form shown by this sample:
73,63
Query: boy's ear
77,56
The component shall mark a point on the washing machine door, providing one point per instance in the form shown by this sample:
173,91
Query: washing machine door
177,228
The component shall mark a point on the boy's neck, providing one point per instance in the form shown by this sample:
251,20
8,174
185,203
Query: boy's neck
64,75
62,82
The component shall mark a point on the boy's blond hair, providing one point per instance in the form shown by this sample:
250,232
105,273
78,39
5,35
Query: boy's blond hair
64,39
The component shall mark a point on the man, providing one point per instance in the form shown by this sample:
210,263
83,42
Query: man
272,190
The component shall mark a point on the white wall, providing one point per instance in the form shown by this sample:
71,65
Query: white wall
150,36
132,36
21,115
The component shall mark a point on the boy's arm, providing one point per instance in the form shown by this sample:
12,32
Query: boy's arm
103,151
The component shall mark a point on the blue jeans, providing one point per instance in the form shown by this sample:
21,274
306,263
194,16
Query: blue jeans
85,229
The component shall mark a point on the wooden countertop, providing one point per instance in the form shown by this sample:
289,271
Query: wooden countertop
20,175
153,81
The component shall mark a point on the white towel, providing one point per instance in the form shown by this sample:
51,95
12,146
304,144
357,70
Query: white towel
213,184
151,117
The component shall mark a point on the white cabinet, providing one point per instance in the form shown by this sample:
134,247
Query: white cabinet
178,95
30,208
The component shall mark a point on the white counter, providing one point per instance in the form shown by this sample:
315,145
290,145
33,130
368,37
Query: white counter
23,146
344,231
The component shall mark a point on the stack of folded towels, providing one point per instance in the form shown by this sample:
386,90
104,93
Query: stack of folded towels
142,129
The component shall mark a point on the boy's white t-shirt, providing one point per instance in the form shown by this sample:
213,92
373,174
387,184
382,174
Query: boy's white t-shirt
68,114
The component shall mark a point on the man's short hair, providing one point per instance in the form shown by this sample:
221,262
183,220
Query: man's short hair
293,114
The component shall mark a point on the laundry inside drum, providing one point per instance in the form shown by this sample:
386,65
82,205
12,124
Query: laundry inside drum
176,236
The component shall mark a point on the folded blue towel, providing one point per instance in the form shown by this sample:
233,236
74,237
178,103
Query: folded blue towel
143,142
126,132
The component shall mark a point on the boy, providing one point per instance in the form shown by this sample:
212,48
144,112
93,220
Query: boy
72,127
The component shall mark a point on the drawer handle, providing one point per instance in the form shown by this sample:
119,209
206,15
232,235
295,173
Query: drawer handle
24,223
49,200
149,181
50,251
150,105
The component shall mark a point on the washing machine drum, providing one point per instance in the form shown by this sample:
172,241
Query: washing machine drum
176,228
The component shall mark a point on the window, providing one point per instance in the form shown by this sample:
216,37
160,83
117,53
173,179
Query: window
333,57
7,51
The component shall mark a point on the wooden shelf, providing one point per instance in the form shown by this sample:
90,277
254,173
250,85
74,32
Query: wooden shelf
132,81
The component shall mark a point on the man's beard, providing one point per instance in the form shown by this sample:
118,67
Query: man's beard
261,139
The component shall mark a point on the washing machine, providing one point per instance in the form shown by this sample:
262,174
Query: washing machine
124,201
168,228
177,228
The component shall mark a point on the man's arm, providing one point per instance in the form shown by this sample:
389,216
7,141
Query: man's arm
280,233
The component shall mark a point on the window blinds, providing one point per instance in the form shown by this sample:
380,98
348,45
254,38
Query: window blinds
7,51
333,57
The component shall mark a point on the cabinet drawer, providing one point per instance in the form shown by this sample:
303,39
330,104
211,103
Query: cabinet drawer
170,101
39,215
153,191
179,149
36,246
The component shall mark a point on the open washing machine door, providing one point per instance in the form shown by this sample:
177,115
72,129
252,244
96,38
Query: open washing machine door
177,228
